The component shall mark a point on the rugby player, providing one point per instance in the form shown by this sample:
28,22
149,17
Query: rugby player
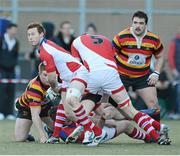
72,73
33,107
97,54
135,47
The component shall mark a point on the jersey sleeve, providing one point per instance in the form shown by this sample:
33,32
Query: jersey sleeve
159,47
35,95
116,43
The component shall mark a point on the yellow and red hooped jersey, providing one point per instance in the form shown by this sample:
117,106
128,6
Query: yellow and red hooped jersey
134,58
34,95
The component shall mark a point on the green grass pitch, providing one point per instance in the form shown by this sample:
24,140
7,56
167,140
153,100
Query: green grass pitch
120,145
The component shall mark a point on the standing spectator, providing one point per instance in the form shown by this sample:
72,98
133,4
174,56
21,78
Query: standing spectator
134,48
174,63
91,29
65,35
9,48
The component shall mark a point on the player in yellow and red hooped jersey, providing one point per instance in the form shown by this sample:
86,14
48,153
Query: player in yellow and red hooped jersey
33,107
134,49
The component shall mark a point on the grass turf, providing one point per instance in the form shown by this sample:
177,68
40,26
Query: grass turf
120,145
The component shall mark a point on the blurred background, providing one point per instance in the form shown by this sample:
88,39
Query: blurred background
108,17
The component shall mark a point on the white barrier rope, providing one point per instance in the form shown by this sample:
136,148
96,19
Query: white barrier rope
21,81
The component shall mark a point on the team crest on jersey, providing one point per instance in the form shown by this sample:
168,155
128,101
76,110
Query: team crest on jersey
137,59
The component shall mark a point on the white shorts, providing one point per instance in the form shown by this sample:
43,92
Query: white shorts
105,81
80,75
111,132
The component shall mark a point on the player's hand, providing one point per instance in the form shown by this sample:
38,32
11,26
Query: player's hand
153,78
57,88
51,95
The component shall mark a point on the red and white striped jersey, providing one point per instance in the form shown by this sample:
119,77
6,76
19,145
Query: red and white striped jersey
58,59
95,51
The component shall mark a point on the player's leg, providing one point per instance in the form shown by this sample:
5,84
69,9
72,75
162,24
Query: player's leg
22,129
143,120
111,112
149,95
128,128
73,97
60,119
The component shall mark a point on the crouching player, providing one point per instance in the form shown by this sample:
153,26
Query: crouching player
33,107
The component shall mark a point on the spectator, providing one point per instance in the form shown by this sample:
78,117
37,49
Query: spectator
9,48
91,29
174,63
65,36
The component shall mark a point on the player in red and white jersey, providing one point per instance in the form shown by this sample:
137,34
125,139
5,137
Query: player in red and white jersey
59,60
96,53
73,74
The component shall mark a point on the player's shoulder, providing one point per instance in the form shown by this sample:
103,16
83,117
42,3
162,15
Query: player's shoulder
124,32
35,82
153,35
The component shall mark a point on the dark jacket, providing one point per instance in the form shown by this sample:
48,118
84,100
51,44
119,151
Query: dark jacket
60,41
8,59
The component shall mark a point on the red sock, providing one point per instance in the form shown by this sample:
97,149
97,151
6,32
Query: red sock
97,130
155,123
83,118
138,134
143,122
60,120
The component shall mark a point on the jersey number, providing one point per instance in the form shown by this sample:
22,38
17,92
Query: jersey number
96,40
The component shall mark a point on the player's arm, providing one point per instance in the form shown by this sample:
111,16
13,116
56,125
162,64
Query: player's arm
116,44
35,112
48,61
154,77
159,62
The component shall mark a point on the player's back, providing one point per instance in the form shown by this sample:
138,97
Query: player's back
58,59
96,51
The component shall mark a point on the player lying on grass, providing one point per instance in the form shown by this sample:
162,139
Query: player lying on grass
33,107
113,125
114,120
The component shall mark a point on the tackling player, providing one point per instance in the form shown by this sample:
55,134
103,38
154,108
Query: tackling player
97,54
72,73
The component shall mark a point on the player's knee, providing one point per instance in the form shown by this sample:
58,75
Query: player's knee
153,103
20,138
